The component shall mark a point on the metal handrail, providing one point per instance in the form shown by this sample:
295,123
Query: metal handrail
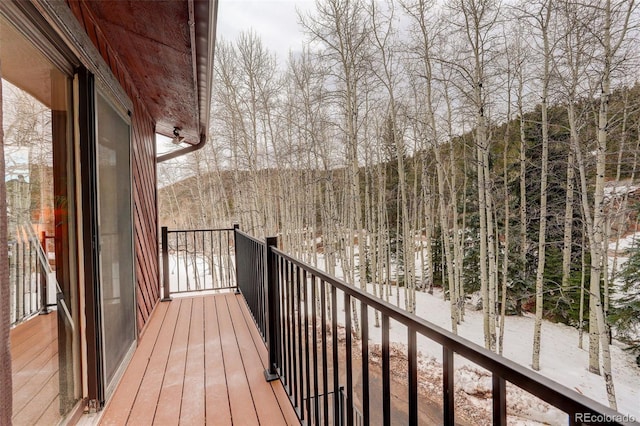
172,231
503,369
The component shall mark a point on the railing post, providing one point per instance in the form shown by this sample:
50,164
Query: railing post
236,227
44,297
166,297
499,400
341,406
272,303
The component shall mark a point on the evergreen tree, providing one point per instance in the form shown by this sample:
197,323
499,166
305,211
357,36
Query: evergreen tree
626,312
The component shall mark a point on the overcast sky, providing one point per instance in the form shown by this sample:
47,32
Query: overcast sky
275,21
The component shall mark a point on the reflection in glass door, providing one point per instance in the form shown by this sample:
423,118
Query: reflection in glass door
117,289
36,120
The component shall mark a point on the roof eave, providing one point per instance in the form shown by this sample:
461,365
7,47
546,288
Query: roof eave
203,37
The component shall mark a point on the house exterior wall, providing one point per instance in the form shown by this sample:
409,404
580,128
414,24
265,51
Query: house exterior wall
143,159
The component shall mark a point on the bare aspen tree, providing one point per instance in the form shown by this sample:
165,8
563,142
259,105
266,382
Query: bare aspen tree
426,30
570,66
541,15
386,72
341,27
611,42
583,265
507,219
477,21
306,79
520,63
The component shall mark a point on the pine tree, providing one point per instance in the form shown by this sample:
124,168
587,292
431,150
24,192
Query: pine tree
626,312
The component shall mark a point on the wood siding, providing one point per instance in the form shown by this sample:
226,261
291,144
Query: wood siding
143,156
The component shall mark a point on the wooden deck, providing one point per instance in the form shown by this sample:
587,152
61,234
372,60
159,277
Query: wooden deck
200,361
34,359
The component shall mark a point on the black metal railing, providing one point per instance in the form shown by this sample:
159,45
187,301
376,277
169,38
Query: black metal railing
197,260
28,275
314,326
250,258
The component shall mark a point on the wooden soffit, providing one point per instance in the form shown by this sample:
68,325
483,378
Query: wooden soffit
166,47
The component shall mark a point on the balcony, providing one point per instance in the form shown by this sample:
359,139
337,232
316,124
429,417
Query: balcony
286,351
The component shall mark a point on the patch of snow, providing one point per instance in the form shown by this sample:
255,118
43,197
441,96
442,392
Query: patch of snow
614,189
625,243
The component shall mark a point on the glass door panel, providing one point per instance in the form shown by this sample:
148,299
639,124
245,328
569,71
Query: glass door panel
117,290
36,123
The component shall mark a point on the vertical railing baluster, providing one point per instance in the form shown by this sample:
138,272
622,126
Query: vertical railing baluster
300,386
325,366
221,271
386,372
364,340
448,402
281,332
349,366
178,260
314,324
17,275
337,410
44,299
413,375
287,319
284,372
24,279
262,289
224,260
196,274
32,269
307,368
273,324
294,328
204,263
212,262
499,401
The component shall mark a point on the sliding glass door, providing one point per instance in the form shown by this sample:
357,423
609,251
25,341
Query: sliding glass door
117,289
36,119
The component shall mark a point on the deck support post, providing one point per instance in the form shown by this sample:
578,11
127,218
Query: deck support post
272,305
236,228
166,296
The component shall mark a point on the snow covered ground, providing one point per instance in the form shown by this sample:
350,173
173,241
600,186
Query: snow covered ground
197,272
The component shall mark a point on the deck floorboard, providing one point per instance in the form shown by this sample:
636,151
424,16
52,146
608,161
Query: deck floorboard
199,362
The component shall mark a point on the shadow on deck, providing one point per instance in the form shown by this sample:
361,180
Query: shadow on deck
200,361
